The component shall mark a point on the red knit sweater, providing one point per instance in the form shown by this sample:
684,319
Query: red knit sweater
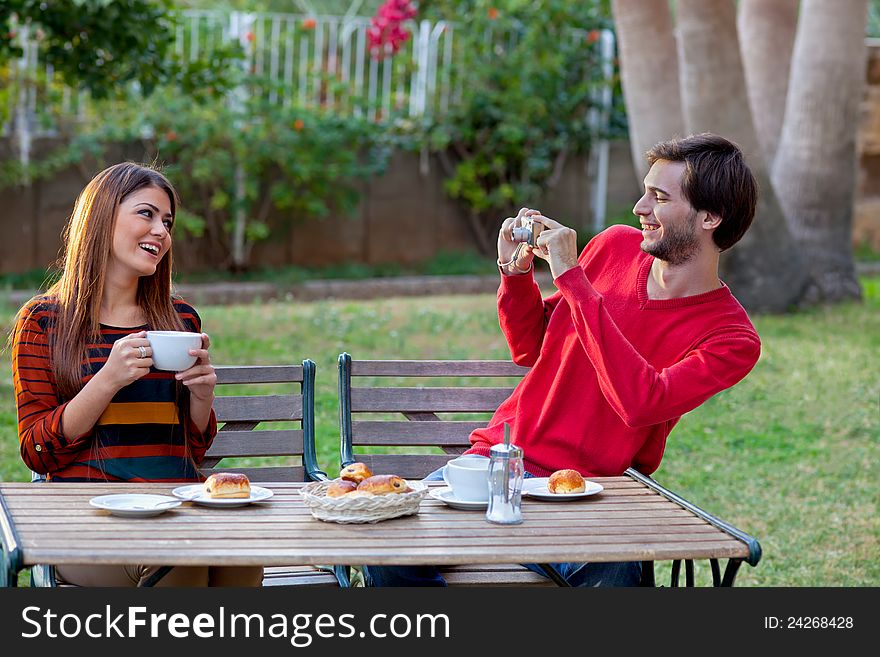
612,371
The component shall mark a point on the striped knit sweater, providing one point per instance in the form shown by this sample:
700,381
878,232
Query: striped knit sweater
139,437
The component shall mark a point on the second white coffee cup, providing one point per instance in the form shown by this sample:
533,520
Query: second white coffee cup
468,476
171,349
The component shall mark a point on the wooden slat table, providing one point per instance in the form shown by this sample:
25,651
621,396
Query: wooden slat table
629,521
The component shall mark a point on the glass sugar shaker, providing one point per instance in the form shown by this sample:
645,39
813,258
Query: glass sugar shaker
505,482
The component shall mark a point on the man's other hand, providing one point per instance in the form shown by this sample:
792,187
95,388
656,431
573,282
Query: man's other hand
557,244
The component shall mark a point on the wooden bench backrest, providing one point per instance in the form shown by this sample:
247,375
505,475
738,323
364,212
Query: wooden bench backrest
421,426
247,429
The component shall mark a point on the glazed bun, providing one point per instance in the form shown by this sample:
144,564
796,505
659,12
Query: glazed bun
566,481
355,472
228,485
340,487
383,484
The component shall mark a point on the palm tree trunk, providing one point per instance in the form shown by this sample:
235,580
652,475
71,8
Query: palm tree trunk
766,36
815,168
765,270
649,74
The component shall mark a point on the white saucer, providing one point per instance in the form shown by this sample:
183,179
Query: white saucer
196,493
134,505
536,487
445,495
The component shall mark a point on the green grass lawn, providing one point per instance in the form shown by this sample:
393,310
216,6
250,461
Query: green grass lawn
789,455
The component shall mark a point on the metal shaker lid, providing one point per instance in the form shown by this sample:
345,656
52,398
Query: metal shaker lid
502,451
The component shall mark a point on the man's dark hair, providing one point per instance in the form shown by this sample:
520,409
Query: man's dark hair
716,179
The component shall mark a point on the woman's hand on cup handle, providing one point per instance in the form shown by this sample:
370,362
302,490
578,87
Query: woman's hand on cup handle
130,359
201,377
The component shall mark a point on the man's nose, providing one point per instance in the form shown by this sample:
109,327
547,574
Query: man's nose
641,208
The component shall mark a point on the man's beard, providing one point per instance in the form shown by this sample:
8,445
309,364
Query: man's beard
678,244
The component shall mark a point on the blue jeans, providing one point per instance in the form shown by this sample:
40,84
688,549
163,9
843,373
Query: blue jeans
624,573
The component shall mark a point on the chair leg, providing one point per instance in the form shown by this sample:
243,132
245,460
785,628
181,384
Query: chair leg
648,574
553,574
343,576
43,575
676,569
8,572
730,572
154,579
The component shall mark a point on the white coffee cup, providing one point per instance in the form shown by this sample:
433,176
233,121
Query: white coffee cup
468,476
171,349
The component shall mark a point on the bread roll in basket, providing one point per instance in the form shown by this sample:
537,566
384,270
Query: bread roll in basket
362,507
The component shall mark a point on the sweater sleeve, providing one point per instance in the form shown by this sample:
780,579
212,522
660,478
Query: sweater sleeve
43,446
639,393
523,316
200,441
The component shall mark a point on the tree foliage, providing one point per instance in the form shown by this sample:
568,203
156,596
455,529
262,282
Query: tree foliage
527,73
232,162
96,44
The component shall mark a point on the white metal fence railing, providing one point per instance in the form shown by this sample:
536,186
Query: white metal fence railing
309,60
312,60
324,60
319,61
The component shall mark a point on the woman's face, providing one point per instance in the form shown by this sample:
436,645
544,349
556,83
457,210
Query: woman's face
142,234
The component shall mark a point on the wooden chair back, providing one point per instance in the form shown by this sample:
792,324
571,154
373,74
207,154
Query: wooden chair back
421,411
249,421
368,387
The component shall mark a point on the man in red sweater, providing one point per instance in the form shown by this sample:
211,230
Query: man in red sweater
640,331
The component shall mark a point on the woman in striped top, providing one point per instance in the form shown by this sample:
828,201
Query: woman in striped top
90,405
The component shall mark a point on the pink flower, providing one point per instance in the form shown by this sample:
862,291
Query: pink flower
386,31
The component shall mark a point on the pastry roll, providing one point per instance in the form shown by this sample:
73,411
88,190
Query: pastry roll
566,481
355,472
383,484
341,487
228,485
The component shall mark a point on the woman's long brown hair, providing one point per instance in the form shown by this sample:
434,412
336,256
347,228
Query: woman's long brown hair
88,239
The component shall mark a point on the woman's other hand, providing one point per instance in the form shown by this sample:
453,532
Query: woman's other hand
201,377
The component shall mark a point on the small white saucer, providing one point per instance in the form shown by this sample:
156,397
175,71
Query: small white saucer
134,505
445,495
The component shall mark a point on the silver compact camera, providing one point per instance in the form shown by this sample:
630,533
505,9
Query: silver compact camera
528,232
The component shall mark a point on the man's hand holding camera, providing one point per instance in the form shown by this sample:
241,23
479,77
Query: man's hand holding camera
544,237
514,256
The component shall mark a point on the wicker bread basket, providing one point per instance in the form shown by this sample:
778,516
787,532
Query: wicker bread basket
362,508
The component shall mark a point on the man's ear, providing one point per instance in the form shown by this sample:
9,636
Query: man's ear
710,221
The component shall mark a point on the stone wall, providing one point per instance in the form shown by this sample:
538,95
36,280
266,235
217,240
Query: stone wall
403,217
